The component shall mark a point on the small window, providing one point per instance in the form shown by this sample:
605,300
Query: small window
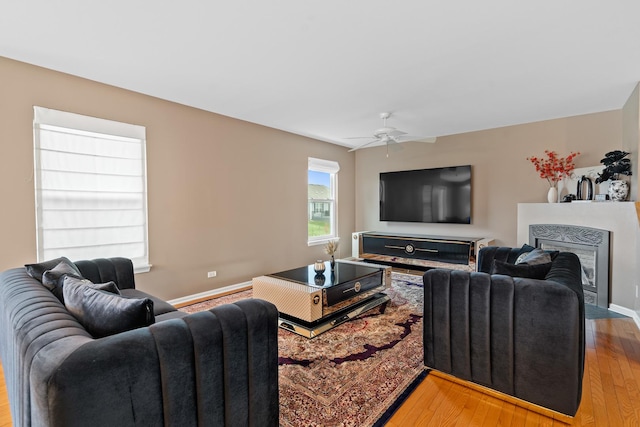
322,186
90,188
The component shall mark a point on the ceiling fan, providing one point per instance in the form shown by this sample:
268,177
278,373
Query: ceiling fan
388,135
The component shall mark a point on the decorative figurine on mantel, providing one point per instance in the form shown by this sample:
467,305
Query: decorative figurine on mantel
615,164
330,249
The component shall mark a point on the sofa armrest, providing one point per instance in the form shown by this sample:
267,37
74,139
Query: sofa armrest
218,366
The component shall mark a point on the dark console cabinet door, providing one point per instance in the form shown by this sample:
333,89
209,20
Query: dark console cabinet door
344,291
427,249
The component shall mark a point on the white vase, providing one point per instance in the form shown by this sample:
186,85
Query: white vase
618,190
552,195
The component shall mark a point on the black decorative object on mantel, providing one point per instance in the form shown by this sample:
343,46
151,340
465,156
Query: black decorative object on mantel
615,164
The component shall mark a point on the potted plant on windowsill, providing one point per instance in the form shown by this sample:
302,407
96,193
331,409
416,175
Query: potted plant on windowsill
615,165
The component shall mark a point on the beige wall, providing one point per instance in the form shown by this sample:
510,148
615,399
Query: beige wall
631,137
501,175
230,196
223,194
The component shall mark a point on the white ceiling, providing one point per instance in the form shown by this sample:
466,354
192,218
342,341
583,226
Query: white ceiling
326,69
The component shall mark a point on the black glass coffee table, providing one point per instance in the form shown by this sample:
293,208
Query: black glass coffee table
310,303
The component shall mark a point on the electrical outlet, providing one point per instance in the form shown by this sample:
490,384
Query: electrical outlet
212,274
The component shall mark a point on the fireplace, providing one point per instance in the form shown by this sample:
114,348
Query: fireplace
591,245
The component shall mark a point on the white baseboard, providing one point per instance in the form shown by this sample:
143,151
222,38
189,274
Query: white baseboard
209,294
627,312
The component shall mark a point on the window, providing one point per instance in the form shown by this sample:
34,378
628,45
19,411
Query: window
90,188
322,196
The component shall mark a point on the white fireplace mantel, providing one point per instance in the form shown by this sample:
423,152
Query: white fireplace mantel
619,218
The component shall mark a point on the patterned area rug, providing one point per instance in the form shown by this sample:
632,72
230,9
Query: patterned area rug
356,373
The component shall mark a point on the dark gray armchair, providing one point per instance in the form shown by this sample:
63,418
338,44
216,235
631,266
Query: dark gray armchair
520,336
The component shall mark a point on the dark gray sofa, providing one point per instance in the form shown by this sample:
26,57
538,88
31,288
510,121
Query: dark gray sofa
519,336
217,367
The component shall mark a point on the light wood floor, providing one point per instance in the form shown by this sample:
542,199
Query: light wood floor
610,396
610,391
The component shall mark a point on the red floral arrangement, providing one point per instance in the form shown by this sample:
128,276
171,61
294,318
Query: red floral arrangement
554,168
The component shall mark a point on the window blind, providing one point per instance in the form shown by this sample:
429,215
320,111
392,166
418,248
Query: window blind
90,187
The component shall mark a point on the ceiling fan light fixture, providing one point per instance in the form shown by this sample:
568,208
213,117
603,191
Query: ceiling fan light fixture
387,134
383,131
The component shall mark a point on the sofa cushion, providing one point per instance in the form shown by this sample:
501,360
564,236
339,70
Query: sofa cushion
535,271
159,306
103,313
37,270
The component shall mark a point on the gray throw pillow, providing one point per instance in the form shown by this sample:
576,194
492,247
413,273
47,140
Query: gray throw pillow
108,286
523,252
52,279
103,313
37,270
536,256
535,271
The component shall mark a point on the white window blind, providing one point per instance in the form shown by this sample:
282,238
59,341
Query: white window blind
90,187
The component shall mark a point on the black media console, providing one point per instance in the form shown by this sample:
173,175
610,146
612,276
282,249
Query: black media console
418,252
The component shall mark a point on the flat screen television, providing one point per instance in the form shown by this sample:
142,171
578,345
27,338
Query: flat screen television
439,195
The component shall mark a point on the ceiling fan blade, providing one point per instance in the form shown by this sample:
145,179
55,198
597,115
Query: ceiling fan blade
358,137
396,133
363,145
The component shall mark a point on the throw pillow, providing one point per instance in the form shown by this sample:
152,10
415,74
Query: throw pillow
535,271
52,279
103,313
37,270
536,256
108,286
524,251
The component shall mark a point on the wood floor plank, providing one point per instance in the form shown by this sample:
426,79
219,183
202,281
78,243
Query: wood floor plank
450,406
626,387
627,364
506,415
481,412
415,406
519,417
469,408
606,366
493,414
597,390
